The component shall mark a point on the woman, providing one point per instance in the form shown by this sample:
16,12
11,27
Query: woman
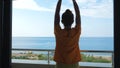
67,53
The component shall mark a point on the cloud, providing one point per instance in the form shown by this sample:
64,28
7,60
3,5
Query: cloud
85,1
91,8
28,4
96,8
104,11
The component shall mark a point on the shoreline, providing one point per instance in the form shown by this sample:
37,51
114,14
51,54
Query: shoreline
30,55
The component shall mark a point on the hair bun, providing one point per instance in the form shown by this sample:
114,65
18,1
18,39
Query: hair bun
68,11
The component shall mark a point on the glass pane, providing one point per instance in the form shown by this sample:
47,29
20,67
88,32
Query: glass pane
33,26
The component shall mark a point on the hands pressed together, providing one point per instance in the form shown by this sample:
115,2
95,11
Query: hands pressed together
61,0
76,7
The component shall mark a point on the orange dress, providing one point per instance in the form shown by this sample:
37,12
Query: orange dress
67,45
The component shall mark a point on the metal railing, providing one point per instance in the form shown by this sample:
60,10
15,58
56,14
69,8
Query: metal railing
51,50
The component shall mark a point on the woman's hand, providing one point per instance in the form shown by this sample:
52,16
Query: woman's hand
59,0
74,0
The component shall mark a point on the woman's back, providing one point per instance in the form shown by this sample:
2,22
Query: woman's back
67,45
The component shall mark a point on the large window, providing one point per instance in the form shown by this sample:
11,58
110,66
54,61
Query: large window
33,24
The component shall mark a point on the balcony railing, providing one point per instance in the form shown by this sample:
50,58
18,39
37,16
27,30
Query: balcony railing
85,51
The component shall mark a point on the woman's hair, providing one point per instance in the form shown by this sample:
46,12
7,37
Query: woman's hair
67,18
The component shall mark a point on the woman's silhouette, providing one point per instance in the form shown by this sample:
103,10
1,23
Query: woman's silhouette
67,53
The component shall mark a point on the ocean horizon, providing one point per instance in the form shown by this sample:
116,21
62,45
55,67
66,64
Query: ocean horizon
85,43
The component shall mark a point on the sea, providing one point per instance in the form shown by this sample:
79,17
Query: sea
85,43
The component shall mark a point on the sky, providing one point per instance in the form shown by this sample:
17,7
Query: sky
35,18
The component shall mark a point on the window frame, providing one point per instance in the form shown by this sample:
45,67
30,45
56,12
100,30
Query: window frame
6,33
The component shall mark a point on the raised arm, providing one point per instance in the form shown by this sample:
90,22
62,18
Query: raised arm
57,13
77,12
